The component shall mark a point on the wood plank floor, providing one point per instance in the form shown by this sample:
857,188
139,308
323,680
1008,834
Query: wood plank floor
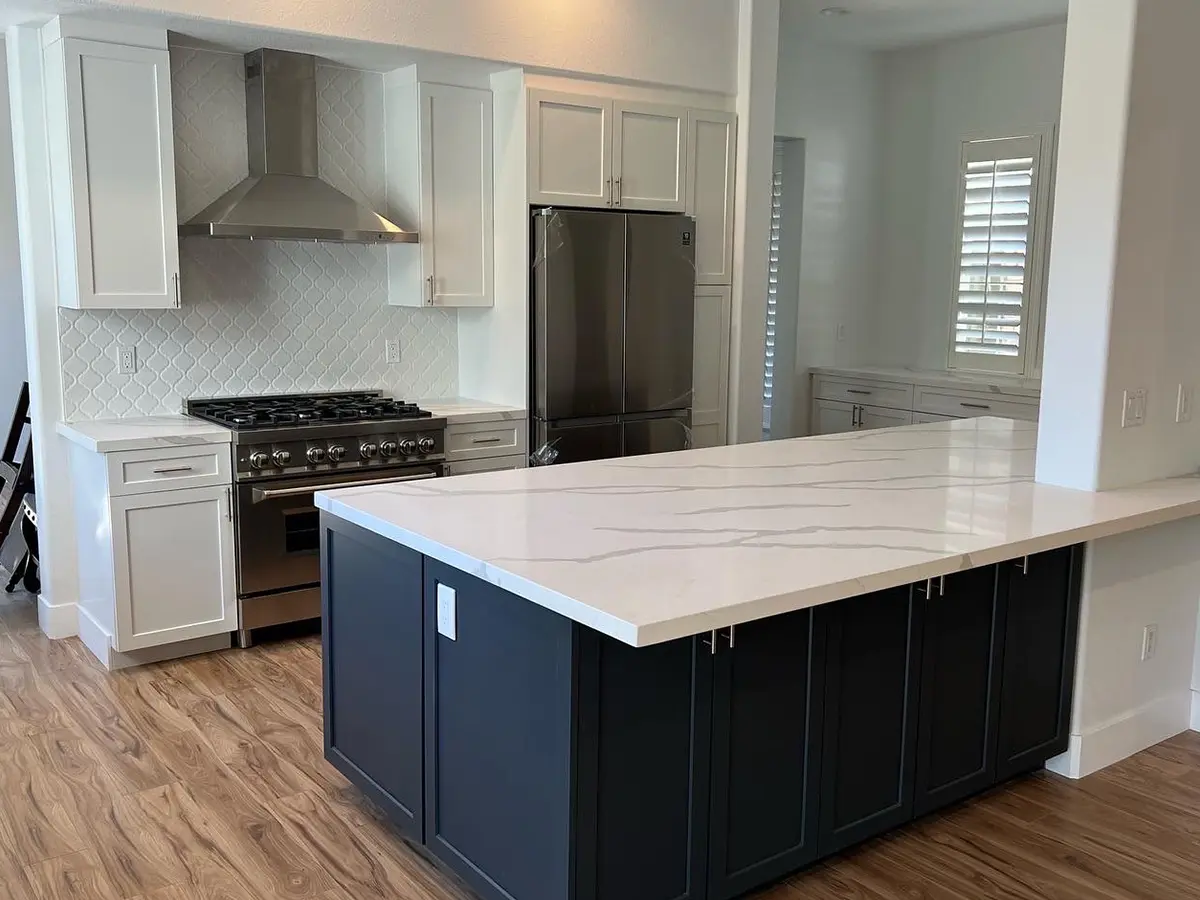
203,779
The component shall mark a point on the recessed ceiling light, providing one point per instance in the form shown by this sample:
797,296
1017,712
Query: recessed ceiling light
835,11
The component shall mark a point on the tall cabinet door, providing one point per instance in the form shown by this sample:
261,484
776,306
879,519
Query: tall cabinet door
768,686
570,149
873,656
960,687
113,183
710,367
711,154
649,156
456,195
173,566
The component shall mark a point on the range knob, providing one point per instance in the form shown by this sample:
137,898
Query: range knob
316,455
259,460
408,447
389,448
369,450
281,457
426,444
337,453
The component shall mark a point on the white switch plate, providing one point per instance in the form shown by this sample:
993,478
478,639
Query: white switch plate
391,351
1149,642
1134,410
1184,402
127,360
447,613
841,331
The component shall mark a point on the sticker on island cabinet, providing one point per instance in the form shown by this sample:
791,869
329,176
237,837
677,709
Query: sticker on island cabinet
447,627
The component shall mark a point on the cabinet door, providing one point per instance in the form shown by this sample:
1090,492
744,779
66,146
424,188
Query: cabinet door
113,188
1040,636
873,652
173,566
494,464
372,613
833,417
570,149
920,418
456,195
649,156
872,417
710,367
768,688
643,739
711,154
960,687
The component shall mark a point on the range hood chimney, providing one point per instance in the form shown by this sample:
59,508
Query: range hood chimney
284,199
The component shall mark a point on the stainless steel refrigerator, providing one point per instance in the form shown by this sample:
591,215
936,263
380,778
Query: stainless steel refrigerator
613,306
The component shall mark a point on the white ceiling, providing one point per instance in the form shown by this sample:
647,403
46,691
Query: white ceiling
887,24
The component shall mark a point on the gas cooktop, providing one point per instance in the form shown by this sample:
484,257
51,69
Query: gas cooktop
298,410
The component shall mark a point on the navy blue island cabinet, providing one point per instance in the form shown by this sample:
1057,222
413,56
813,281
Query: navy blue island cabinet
538,759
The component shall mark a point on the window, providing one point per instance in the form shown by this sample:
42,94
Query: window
773,270
1003,229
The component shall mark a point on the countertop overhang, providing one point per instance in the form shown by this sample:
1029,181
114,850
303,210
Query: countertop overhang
648,549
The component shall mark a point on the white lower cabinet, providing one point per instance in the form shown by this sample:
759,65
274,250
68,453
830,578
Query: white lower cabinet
710,367
833,417
871,417
494,464
174,569
920,418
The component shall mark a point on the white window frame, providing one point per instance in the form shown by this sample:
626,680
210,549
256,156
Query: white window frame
1028,361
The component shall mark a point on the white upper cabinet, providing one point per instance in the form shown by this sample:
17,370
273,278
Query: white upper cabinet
451,176
649,156
570,149
710,367
112,161
711,152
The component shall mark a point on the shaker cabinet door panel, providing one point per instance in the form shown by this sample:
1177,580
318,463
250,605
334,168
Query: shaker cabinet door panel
833,417
710,366
570,149
113,184
872,417
712,152
173,566
649,156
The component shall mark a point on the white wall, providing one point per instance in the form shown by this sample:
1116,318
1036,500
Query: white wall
688,43
934,98
829,97
13,369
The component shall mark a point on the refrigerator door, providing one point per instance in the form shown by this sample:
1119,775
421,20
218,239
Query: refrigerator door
579,286
577,443
659,308
659,434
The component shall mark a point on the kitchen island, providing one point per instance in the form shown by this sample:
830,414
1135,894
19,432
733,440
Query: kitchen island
687,675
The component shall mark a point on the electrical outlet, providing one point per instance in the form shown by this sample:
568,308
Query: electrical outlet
1149,642
841,331
127,360
391,351
1183,403
1133,412
447,620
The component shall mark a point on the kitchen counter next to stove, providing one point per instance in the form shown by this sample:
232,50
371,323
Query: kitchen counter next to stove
143,433
464,411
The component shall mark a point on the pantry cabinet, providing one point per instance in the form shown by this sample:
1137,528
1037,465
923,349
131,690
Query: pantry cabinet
112,172
712,153
710,367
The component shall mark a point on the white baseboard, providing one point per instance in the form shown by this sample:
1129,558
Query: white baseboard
61,621
1195,710
94,637
1121,737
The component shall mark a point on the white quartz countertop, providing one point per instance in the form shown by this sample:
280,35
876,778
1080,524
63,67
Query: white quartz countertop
651,548
143,433
968,381
463,410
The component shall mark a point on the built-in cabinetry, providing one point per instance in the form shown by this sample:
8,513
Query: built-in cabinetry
156,558
441,184
486,444
704,767
712,153
710,366
843,400
112,168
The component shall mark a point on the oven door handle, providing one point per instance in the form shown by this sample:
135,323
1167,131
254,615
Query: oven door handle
261,494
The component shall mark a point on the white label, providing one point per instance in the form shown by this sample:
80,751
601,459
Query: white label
446,599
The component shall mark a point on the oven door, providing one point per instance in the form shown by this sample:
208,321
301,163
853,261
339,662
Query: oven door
278,528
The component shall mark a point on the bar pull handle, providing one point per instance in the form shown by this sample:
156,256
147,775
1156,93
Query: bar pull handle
175,285
942,586
983,406
608,190
730,636
171,470
491,440
229,504
860,393
1024,564
617,185
429,283
710,643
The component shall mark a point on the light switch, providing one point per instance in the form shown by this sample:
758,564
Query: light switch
447,614
1134,410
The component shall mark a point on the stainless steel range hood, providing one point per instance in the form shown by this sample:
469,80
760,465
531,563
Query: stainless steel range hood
284,199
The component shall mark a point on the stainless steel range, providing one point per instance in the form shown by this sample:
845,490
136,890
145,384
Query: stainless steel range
287,446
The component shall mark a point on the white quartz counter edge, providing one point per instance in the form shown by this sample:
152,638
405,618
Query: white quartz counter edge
758,608
143,433
991,384
464,411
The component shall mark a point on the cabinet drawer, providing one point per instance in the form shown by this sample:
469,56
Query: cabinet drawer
168,468
871,393
480,440
967,404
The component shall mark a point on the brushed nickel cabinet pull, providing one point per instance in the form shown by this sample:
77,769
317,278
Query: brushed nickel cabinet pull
170,470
